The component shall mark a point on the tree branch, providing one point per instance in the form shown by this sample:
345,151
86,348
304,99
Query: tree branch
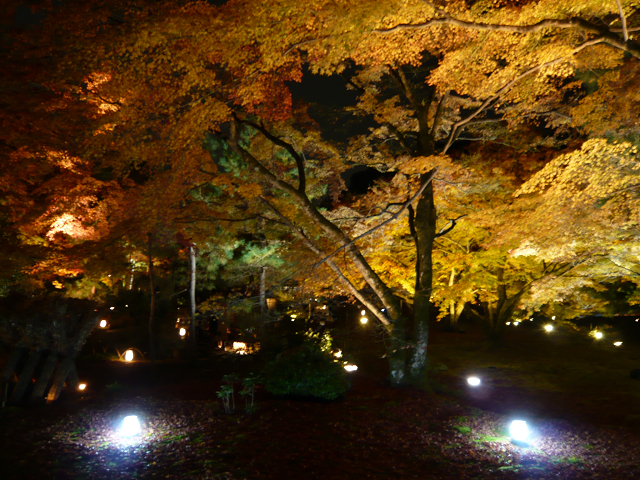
395,216
623,19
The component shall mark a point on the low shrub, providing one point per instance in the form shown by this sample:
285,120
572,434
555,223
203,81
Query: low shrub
306,371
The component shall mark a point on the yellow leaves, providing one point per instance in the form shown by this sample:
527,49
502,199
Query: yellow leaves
250,190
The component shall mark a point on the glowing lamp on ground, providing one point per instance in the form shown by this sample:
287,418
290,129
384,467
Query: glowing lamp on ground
103,324
338,354
128,356
548,328
130,426
515,324
351,368
363,312
82,386
508,323
364,320
617,344
598,335
473,381
112,308
519,431
182,331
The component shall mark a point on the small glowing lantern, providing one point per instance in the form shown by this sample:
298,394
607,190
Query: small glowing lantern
103,324
508,323
130,426
363,313
364,320
553,318
515,324
473,381
548,328
617,344
293,317
128,355
597,335
519,430
183,331
351,368
82,386
112,308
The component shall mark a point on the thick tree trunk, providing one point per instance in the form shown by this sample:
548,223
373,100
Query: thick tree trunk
7,371
25,376
66,368
425,232
193,352
39,388
152,327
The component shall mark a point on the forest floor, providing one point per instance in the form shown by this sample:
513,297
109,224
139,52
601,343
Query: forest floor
576,395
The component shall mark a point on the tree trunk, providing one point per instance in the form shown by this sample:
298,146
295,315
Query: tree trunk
67,366
8,369
152,327
193,352
25,376
425,232
40,387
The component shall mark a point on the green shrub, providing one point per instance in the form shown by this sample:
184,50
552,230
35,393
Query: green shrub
306,371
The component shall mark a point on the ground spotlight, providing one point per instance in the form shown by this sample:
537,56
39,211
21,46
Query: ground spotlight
351,368
364,320
103,324
473,381
597,335
182,331
130,426
617,344
128,355
82,386
519,431
548,328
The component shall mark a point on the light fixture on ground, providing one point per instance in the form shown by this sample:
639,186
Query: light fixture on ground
82,386
519,431
182,331
473,381
293,317
128,355
548,328
130,426
351,368
597,335
617,344
103,324
364,320
363,312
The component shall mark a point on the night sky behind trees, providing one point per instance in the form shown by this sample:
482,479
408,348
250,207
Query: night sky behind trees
499,140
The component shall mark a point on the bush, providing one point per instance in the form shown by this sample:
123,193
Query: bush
306,371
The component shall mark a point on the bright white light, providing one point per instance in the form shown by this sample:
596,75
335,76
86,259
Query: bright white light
128,355
548,328
294,316
508,323
324,307
531,319
127,306
473,381
617,344
239,345
112,308
103,324
338,354
364,320
598,335
183,331
553,318
363,312
515,324
351,368
519,430
383,309
82,386
637,319
130,426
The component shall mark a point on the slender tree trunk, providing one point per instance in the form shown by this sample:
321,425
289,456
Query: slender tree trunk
263,294
152,327
192,304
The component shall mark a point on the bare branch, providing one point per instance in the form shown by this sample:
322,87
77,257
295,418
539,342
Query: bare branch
623,19
456,126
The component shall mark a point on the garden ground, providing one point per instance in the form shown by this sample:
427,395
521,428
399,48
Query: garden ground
575,393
